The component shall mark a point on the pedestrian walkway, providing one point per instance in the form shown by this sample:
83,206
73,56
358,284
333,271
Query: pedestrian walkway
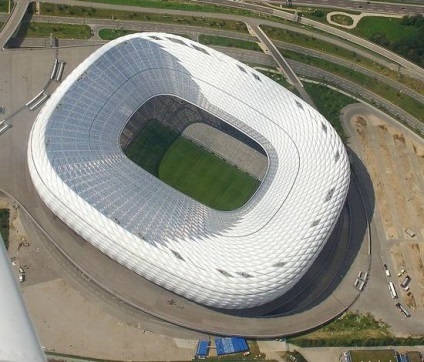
356,18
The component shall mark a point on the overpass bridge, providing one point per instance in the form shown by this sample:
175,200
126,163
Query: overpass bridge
280,60
13,22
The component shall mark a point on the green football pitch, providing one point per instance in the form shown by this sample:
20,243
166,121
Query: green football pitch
190,169
150,145
205,177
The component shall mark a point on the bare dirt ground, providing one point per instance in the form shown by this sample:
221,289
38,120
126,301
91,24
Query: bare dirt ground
395,162
396,166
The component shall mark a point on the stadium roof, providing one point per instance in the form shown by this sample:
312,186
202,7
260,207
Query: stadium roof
236,259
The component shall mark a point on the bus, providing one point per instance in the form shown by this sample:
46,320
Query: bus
403,310
392,290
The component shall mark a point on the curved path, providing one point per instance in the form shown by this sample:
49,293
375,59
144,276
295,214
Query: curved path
355,18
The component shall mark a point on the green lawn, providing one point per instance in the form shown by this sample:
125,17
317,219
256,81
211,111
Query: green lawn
4,6
390,27
326,47
4,226
63,31
280,79
201,175
403,36
373,356
228,42
90,12
110,34
311,42
150,145
329,104
177,5
342,19
354,329
190,5
402,100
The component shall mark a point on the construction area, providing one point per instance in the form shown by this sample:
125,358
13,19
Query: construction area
394,158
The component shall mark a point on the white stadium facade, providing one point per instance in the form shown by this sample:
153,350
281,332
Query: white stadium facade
233,260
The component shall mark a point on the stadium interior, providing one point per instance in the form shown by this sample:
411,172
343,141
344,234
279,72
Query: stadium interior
158,126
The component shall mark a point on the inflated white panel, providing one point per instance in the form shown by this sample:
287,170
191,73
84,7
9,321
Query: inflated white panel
236,259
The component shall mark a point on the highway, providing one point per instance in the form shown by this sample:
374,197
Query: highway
361,5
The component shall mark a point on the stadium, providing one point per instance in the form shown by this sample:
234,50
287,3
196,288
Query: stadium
230,256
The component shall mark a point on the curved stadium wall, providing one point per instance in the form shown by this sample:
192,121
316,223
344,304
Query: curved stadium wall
238,259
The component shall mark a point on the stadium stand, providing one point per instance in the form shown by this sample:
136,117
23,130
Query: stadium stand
177,114
228,148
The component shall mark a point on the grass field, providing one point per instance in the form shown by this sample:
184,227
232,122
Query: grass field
404,101
110,34
390,27
90,12
280,79
228,42
201,175
4,226
63,31
342,19
4,6
326,47
329,104
177,5
150,145
190,6
189,168
349,328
